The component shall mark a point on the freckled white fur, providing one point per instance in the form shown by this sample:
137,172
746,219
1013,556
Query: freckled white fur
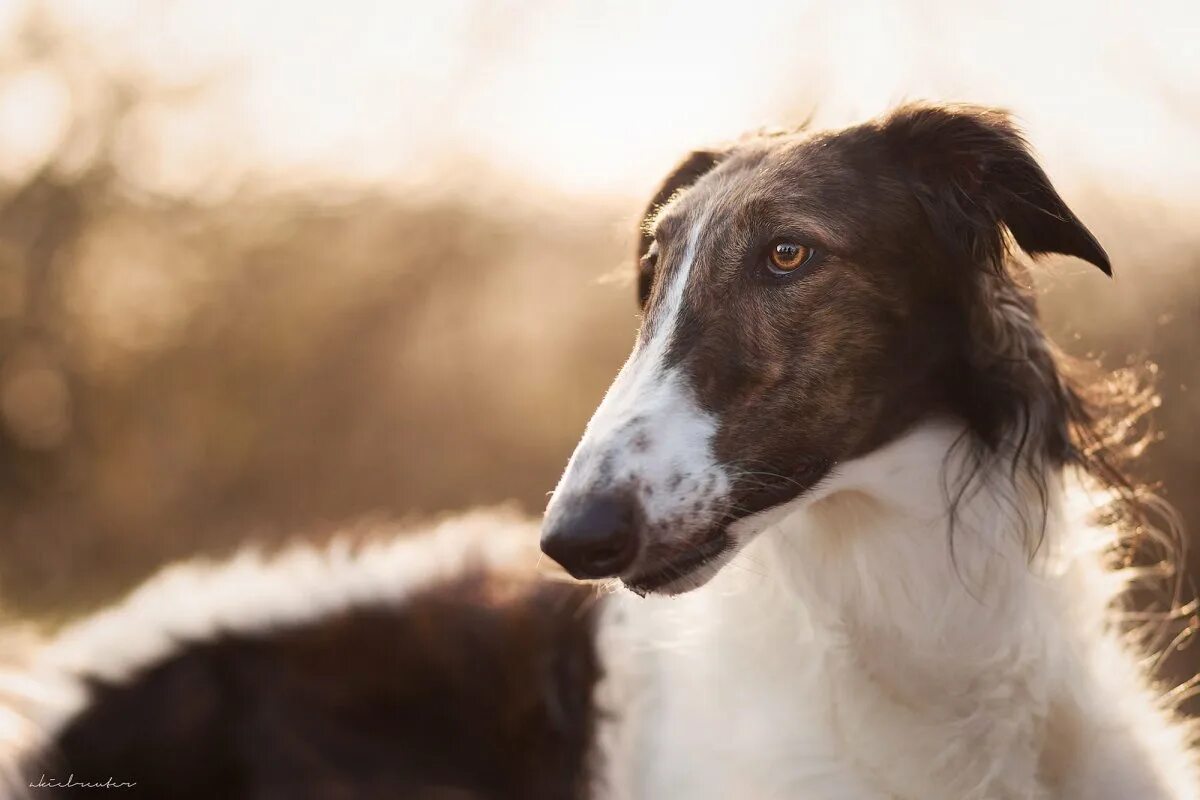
842,655
650,402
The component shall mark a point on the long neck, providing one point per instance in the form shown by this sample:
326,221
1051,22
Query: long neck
927,624
851,613
890,546
859,647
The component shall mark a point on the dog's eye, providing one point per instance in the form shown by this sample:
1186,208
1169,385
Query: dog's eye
788,257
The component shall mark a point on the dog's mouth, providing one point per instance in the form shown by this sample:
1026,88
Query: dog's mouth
685,571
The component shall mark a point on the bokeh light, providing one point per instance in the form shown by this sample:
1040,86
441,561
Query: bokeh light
268,270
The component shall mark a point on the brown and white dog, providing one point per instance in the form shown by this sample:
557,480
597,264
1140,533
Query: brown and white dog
853,510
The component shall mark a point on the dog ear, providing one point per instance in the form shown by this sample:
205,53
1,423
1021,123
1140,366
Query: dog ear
687,172
974,173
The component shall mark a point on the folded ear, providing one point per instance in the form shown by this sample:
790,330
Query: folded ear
687,172
974,173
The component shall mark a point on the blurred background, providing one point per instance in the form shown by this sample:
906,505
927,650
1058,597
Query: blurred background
268,270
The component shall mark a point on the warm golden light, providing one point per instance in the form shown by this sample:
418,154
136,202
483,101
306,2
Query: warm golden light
268,268
594,97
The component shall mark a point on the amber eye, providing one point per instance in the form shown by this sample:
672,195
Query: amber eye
788,256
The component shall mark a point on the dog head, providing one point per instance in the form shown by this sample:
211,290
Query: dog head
806,299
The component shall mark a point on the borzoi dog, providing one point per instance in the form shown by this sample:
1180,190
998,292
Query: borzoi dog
854,522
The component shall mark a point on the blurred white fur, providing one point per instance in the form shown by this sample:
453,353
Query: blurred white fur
198,600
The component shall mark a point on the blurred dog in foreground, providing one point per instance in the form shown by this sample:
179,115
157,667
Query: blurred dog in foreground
859,526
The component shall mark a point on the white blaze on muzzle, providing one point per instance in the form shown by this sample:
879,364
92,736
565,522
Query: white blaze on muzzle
649,437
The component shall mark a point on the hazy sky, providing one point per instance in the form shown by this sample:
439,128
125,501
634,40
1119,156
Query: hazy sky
601,96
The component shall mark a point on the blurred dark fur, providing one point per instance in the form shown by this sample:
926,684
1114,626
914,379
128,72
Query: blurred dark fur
475,688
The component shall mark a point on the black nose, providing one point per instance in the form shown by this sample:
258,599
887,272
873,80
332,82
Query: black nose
593,536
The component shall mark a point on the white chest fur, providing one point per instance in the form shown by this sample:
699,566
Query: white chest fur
844,654
708,705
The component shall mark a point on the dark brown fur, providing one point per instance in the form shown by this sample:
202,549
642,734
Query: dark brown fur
911,307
